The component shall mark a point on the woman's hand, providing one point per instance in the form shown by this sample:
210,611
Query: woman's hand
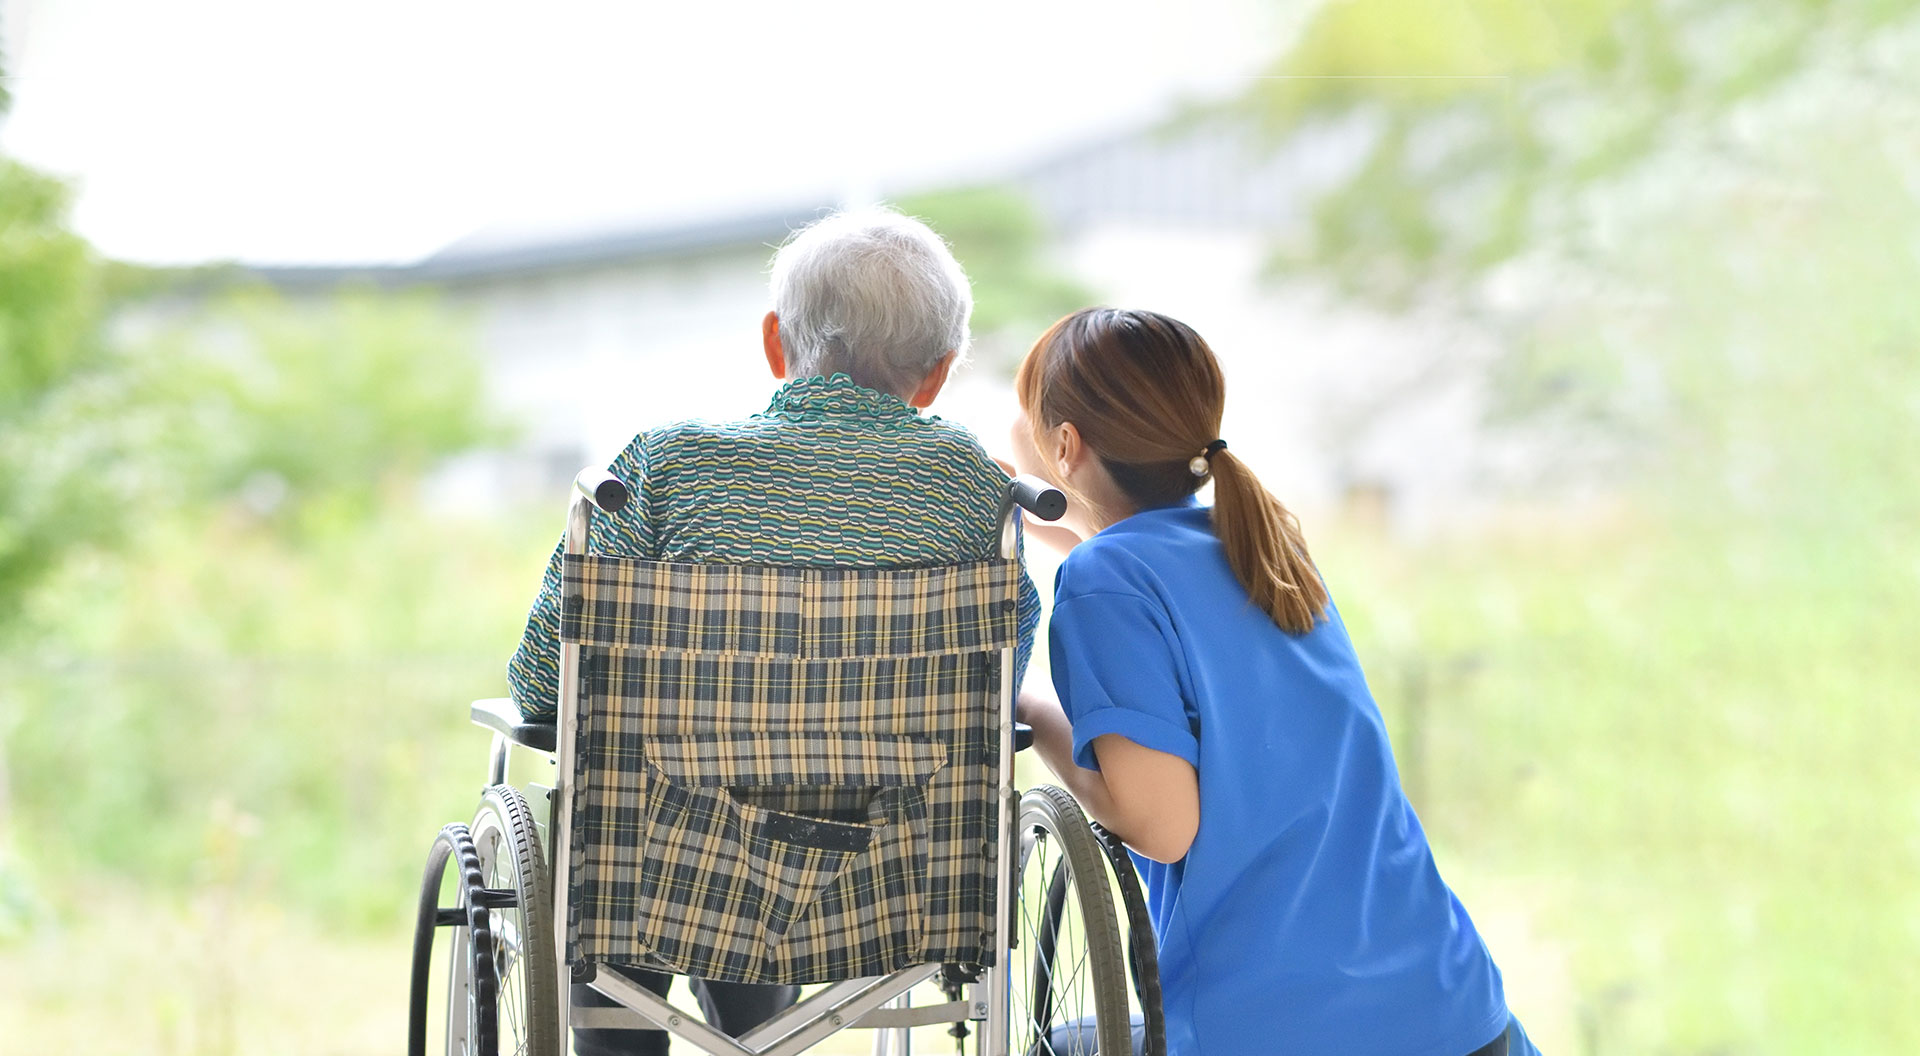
1027,460
1025,457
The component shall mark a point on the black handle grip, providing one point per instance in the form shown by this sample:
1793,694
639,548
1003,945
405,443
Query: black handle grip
1037,497
601,488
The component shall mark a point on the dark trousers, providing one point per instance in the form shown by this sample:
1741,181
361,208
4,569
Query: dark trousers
732,1008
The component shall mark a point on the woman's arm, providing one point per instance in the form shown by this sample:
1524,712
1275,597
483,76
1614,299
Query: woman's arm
1148,798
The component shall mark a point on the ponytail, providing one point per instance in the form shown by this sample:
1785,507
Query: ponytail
1146,394
1265,548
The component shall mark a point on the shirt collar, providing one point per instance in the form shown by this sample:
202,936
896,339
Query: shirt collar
837,397
1141,518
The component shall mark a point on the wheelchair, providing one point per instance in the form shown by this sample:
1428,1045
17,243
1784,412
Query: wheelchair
784,775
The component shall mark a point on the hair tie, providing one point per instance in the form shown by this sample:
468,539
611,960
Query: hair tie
1203,461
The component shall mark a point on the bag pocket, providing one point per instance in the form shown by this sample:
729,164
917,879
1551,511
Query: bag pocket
745,832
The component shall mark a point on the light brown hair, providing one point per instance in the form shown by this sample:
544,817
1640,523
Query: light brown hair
1146,394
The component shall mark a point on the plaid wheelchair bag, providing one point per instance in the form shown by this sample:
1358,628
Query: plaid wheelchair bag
785,775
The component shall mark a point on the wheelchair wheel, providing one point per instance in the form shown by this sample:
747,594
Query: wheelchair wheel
469,945
501,989
1068,965
521,930
1143,954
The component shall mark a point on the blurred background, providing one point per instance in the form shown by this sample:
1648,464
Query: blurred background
1584,335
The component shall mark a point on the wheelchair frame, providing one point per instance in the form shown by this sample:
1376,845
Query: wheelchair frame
838,1005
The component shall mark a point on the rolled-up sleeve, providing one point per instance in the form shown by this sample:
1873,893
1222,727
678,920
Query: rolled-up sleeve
1116,668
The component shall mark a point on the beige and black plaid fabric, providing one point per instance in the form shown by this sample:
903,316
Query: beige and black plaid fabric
784,775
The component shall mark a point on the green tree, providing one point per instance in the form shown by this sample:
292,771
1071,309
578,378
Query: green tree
1000,238
1486,125
325,404
294,410
58,396
1511,162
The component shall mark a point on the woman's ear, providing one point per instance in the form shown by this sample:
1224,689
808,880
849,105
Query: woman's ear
1065,449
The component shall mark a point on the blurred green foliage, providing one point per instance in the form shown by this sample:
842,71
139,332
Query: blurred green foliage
296,409
324,403
1001,238
1675,718
1688,721
50,302
222,709
223,609
53,368
1485,122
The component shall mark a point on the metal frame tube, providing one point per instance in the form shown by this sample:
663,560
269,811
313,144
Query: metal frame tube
998,978
895,1040
833,1009
834,996
459,988
579,519
846,1012
497,760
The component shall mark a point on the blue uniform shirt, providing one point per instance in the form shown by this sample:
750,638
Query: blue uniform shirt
1308,916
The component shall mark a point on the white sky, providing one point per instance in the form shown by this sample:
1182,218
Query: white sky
362,130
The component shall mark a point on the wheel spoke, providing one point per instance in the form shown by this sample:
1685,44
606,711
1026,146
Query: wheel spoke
506,842
1069,963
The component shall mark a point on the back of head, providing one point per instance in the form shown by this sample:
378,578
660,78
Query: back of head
1146,394
871,294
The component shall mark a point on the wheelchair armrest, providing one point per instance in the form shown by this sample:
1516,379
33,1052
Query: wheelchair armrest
499,715
1022,736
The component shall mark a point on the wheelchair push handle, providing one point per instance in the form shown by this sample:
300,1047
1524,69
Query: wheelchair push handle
601,488
1037,497
1030,493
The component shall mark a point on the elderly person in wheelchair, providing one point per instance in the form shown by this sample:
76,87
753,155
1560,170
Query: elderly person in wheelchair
776,660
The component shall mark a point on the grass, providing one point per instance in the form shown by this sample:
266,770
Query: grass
1695,768
127,970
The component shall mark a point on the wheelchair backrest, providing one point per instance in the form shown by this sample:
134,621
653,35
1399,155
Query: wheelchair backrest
785,774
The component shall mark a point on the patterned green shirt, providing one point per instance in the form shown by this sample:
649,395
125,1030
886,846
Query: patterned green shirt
829,474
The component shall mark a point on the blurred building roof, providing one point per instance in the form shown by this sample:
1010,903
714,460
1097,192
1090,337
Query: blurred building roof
1203,174
488,253
1191,175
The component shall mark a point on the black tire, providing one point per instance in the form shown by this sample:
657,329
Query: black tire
1069,969
425,929
525,979
470,1005
1143,951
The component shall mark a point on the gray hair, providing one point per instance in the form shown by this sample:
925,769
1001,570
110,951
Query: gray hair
874,294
